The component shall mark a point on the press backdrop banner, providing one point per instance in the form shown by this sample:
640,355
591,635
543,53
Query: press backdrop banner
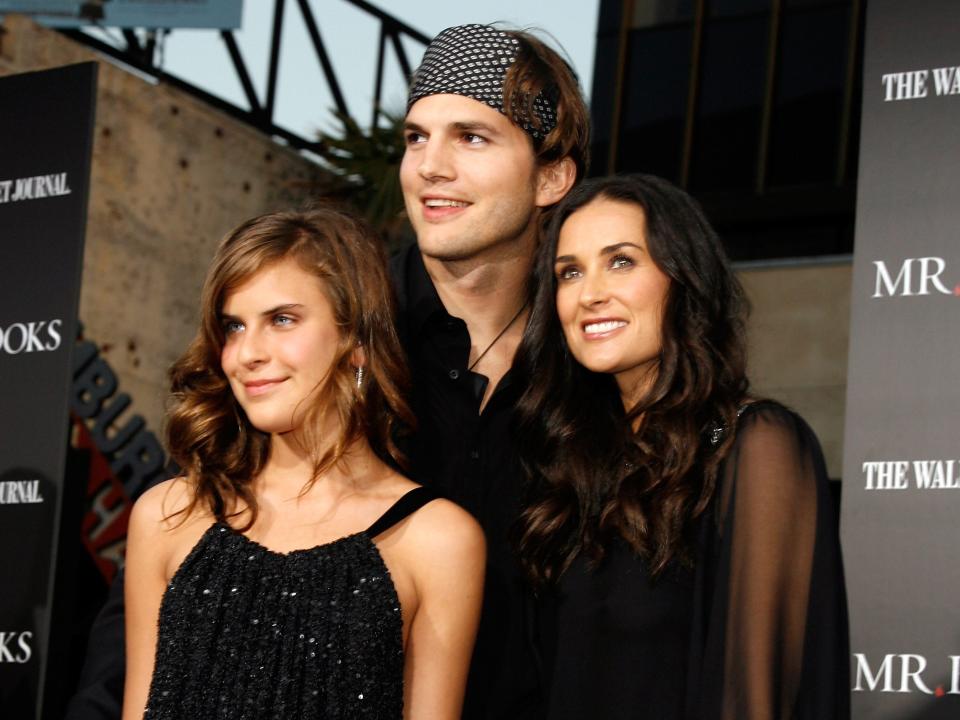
46,124
901,491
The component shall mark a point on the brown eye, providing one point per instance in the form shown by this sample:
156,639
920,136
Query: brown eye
568,272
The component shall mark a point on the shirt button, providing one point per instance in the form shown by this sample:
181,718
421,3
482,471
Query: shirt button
454,374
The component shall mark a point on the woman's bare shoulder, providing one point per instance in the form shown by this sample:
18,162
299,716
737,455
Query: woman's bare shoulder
165,500
166,521
442,525
169,509
438,525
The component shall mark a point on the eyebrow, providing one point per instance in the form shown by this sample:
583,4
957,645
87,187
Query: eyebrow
470,125
603,251
460,126
266,313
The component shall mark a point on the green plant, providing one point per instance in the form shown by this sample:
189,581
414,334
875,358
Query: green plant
366,166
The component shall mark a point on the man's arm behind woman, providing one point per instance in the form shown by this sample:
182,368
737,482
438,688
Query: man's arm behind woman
99,694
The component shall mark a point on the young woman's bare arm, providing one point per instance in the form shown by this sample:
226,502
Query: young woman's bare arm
448,560
147,559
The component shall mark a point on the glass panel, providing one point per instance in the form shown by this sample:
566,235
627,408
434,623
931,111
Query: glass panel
732,8
651,13
654,100
727,126
789,4
808,103
789,239
603,86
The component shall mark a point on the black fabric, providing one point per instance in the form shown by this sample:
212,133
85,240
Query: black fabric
470,457
100,690
248,632
756,630
472,60
408,504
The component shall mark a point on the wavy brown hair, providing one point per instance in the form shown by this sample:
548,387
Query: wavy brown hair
592,476
208,433
540,69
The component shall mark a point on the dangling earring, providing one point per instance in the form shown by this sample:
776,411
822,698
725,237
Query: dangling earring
359,377
239,417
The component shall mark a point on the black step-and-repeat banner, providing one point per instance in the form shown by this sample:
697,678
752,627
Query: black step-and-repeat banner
901,491
46,130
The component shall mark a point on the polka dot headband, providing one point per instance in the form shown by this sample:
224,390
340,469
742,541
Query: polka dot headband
472,60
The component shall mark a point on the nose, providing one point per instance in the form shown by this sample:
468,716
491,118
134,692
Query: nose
593,289
251,349
436,162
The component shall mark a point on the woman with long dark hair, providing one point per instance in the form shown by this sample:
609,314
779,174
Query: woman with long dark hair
293,571
680,533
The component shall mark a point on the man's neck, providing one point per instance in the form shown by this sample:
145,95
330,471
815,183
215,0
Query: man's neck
489,295
486,294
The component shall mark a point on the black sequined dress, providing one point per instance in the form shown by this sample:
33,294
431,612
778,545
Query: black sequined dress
248,633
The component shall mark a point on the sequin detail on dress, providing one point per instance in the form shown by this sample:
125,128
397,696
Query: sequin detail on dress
248,633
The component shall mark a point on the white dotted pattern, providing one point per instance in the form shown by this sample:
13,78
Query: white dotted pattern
472,60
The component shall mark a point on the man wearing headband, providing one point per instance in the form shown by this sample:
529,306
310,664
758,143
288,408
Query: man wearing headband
496,133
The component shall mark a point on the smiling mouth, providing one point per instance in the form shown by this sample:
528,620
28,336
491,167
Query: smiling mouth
442,202
259,387
601,328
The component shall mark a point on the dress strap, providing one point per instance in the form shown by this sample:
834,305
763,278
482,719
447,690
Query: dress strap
408,504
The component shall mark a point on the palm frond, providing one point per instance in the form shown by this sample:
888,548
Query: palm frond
366,166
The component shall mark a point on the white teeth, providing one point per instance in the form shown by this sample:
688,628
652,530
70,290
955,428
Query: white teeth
441,202
602,327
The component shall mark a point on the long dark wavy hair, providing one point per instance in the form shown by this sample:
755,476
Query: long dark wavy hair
208,433
597,471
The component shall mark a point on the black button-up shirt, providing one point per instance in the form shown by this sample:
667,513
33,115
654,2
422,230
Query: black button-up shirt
471,458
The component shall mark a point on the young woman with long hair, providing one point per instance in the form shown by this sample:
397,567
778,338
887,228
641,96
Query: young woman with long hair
292,571
680,533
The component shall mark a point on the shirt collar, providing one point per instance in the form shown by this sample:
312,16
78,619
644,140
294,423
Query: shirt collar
416,295
418,304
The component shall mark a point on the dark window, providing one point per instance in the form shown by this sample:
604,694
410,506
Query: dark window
808,101
771,147
655,100
727,126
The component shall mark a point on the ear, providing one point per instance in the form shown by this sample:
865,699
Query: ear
358,358
554,181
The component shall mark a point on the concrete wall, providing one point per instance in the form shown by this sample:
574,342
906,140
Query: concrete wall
170,176
798,333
